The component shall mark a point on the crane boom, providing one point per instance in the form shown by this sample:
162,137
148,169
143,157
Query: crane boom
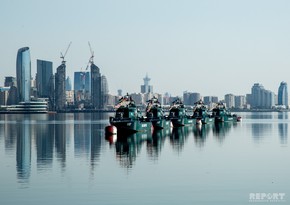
63,56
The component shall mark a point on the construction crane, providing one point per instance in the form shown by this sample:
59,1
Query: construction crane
91,60
63,56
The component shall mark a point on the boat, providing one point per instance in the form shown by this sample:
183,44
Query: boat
178,114
155,115
128,118
221,114
201,114
29,107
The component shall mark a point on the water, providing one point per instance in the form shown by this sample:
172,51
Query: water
65,159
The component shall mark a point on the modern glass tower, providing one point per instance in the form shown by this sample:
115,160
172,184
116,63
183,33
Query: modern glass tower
44,74
96,87
23,74
283,94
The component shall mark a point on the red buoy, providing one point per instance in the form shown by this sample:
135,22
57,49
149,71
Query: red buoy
111,129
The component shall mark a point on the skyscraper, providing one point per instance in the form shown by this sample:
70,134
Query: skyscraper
230,100
43,76
96,86
60,95
9,81
23,74
82,86
262,98
68,86
146,88
283,94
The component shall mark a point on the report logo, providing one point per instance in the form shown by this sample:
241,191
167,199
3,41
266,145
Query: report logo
267,197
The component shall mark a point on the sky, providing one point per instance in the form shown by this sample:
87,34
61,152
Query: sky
211,47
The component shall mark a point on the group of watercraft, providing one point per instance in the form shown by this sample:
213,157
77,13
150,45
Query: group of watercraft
128,117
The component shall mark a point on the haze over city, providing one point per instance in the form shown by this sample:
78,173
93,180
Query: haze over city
210,47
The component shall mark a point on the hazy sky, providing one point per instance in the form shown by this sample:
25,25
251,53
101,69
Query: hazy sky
211,47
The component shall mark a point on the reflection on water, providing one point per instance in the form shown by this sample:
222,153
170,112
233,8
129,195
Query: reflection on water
49,138
51,135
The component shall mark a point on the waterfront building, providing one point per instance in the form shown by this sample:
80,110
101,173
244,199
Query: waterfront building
104,91
96,83
230,100
60,91
12,96
138,98
262,98
146,88
4,93
210,99
81,86
43,76
283,94
23,74
190,98
9,81
166,99
119,92
68,85
240,101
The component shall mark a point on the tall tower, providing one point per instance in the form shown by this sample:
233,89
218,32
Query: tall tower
44,74
60,95
60,81
146,88
96,86
283,94
23,74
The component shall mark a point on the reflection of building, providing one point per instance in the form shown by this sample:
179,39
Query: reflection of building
82,135
60,139
43,76
60,94
23,151
283,94
23,74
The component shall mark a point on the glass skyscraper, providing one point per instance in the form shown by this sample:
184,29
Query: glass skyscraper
44,74
23,74
283,94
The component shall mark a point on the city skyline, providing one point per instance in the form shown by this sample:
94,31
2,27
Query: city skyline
208,47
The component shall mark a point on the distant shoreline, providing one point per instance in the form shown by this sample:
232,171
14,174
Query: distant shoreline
112,111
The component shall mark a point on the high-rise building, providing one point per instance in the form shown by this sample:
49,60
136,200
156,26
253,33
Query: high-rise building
82,84
191,98
104,91
23,74
261,98
240,101
283,94
68,86
230,100
9,81
146,88
96,87
60,94
43,76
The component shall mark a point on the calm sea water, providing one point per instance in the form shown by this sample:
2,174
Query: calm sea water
65,159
